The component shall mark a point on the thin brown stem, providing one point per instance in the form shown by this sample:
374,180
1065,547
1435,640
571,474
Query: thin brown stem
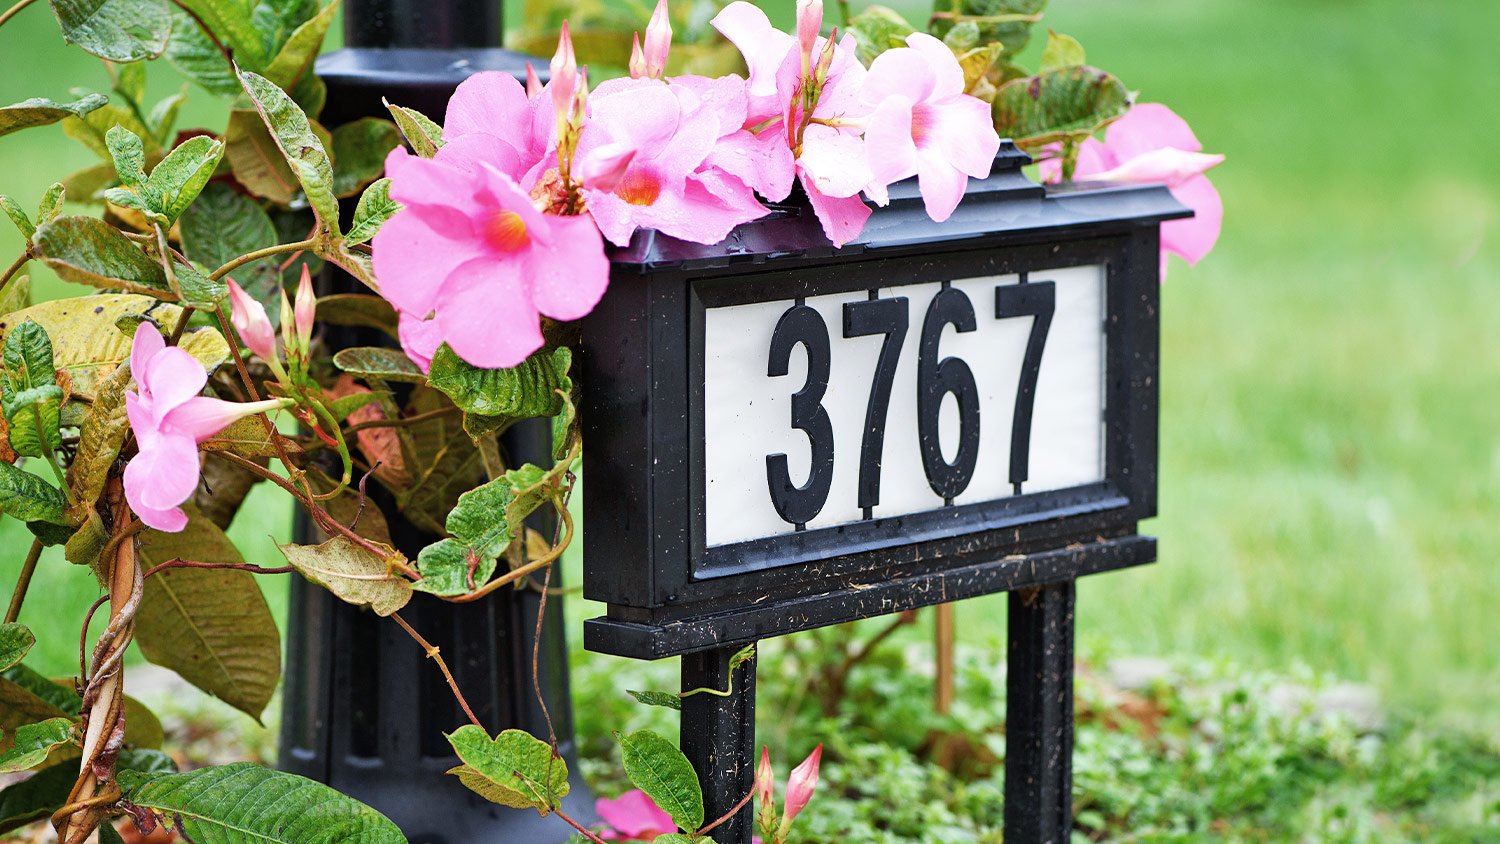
404,420
23,583
299,246
434,654
197,564
83,638
727,815
576,825
13,11
14,268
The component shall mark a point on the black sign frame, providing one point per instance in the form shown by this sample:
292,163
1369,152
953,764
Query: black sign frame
643,367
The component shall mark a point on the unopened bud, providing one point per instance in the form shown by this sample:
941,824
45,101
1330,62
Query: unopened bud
658,40
800,786
564,74
533,84
305,310
638,68
809,23
249,319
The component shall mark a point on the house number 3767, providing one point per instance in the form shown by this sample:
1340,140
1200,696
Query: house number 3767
937,377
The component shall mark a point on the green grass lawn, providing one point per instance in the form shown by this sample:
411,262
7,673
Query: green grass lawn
1330,462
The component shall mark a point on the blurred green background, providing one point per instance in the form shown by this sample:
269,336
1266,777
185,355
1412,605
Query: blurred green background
1330,458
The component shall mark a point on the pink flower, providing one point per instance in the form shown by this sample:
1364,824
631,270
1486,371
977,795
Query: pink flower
633,817
249,319
765,781
664,134
1152,144
800,786
805,115
924,125
170,419
472,255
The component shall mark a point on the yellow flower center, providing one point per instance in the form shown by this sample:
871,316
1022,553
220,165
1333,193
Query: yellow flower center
638,188
506,231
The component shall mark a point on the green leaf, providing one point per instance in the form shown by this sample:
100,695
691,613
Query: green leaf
50,534
521,392
18,215
664,699
679,838
244,803
100,439
377,362
163,115
1062,51
51,206
198,290
877,29
90,251
450,567
303,150
291,68
87,341
129,78
30,396
15,296
40,112
85,546
27,697
359,151
358,310
565,431
117,30
109,835
1006,21
375,207
16,640
31,743
657,767
1071,102
446,464
211,626
37,797
353,573
129,155
181,176
516,769
423,136
256,160
224,224
29,498
196,57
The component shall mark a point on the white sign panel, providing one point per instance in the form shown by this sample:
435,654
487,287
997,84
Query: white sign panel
854,406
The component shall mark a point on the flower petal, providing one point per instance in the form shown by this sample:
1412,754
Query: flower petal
166,474
1168,164
888,140
635,815
147,343
902,72
420,339
1148,126
843,218
947,73
963,131
763,46
172,376
569,276
472,152
487,317
835,161
1192,239
490,102
941,183
764,162
413,255
200,417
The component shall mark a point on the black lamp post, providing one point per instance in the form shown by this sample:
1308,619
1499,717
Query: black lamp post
364,710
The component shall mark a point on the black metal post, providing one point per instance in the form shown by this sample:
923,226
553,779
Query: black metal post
718,737
364,710
1039,716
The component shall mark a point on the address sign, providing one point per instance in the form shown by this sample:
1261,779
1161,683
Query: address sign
784,437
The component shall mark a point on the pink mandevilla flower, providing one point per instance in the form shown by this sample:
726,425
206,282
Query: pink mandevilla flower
471,262
170,419
924,125
806,108
633,816
1151,143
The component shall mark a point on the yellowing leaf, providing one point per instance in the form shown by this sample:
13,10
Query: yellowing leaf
353,573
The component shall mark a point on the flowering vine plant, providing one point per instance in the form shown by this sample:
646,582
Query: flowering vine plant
137,419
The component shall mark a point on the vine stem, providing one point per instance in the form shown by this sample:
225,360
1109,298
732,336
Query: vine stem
13,11
402,421
15,266
24,581
196,564
729,814
578,826
434,653
299,246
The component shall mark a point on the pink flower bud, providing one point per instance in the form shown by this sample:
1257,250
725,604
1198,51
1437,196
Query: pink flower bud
606,166
637,59
249,319
809,24
825,60
533,83
305,310
658,41
765,781
800,785
564,74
